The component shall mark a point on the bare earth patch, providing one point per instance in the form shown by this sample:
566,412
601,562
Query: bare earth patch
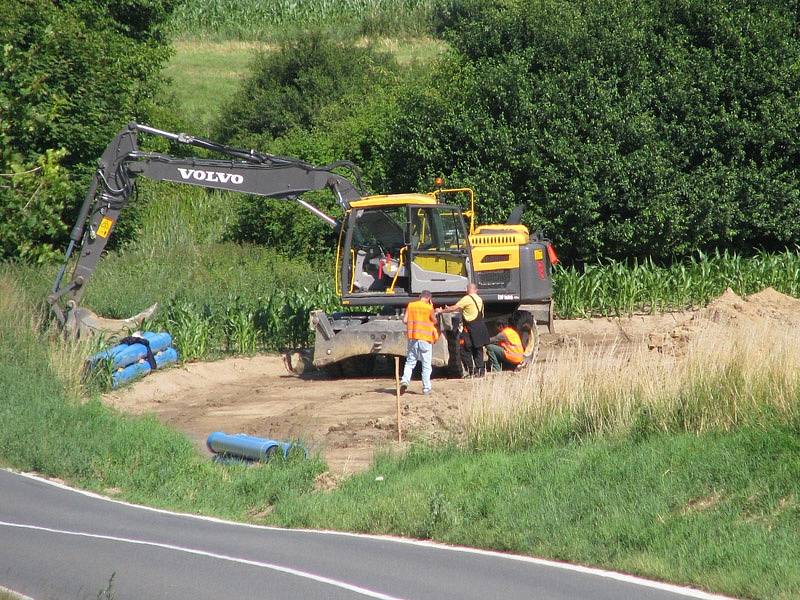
348,419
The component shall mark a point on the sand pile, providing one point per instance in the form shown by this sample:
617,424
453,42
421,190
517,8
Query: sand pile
763,310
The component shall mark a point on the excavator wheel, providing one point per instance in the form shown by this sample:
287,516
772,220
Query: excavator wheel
454,367
355,366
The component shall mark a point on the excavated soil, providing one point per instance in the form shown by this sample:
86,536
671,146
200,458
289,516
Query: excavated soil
348,419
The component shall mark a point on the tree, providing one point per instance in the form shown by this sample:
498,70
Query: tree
73,73
630,129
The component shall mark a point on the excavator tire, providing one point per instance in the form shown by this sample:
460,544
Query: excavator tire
355,366
454,367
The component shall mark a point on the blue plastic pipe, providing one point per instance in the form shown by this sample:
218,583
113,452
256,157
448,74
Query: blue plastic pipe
123,355
245,446
138,369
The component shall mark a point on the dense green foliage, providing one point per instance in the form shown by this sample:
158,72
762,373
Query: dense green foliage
72,73
319,100
257,20
630,129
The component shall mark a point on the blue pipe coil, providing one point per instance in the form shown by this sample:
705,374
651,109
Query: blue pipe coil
138,369
123,355
246,446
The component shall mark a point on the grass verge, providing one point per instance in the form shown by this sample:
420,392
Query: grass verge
717,510
92,446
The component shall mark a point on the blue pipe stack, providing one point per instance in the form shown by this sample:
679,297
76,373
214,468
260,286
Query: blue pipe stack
129,361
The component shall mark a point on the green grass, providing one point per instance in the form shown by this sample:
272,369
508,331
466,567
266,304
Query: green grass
97,448
205,75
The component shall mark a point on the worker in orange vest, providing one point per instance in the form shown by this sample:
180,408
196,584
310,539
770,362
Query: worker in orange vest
421,333
505,348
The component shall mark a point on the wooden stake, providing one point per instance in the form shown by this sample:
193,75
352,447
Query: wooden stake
397,393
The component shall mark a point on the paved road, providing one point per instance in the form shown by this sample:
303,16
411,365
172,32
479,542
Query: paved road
59,544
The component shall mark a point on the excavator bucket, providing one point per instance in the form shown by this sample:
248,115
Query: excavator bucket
82,322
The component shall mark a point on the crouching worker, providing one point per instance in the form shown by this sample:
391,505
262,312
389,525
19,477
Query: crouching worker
422,334
505,348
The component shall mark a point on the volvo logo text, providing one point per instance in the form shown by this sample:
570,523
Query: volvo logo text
211,176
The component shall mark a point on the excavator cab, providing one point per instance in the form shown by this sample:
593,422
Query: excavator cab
393,247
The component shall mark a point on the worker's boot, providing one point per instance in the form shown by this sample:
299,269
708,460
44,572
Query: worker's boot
481,372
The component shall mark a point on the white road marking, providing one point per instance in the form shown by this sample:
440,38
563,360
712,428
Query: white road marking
14,594
253,563
658,585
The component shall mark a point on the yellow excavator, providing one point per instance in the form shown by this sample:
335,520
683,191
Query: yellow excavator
390,248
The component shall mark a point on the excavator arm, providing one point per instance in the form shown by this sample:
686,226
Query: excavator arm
246,171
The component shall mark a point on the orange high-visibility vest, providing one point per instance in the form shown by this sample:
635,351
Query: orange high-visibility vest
512,346
420,324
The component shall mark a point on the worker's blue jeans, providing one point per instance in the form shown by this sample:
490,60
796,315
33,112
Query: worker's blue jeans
419,351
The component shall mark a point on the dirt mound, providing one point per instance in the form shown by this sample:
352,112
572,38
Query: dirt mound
765,309
772,299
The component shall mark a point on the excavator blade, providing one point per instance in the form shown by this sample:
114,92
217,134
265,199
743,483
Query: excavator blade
82,322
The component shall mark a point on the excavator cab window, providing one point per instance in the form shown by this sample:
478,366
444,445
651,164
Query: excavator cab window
439,256
402,250
378,241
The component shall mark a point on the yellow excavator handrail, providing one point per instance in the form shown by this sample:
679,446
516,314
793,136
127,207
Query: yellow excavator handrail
352,271
396,275
467,213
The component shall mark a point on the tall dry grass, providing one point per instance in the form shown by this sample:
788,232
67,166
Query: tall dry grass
721,379
30,329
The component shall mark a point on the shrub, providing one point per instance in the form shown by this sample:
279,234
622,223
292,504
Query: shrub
318,100
71,74
629,129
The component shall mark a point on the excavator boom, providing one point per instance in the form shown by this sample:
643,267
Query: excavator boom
122,162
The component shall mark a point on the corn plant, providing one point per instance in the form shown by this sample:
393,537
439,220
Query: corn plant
247,19
241,334
191,328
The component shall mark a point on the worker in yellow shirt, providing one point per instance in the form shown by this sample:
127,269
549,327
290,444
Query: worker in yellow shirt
505,348
475,335
422,334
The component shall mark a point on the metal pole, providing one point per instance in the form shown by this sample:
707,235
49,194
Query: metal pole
397,393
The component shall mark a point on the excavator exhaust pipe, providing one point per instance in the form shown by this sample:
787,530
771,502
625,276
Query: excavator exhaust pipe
81,323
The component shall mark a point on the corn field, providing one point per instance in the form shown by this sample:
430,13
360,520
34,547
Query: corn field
252,19
243,326
619,288
278,320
